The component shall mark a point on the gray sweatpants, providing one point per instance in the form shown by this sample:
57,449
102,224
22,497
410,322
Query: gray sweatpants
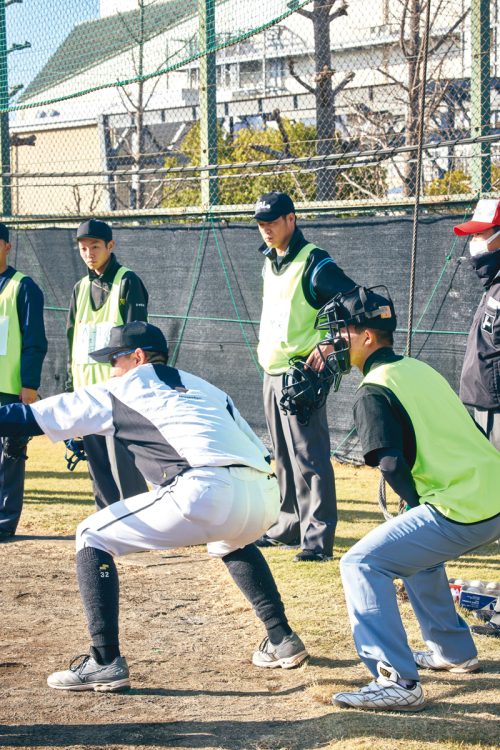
308,514
413,546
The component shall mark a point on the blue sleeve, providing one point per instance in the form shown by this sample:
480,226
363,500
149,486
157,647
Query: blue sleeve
17,420
34,342
324,278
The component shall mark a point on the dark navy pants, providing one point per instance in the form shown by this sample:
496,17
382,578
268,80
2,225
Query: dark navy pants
12,470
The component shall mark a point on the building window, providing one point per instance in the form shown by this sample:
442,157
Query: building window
275,70
251,74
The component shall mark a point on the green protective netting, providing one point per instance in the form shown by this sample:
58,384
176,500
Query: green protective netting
83,46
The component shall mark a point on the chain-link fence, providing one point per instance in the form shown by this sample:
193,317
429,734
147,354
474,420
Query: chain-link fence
168,107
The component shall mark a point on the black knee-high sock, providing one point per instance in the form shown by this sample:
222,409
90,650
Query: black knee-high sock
98,582
252,575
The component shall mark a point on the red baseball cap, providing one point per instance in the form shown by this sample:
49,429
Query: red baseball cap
486,216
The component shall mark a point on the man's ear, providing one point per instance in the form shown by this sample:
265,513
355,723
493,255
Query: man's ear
110,245
370,337
141,356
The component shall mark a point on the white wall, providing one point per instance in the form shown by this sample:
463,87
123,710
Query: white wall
109,7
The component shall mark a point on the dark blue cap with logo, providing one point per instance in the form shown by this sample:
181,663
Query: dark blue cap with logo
95,229
4,232
132,336
271,206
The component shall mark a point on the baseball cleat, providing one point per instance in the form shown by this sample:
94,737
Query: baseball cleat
87,674
308,555
383,694
288,654
430,660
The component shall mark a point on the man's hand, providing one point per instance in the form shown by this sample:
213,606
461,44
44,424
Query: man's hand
317,362
28,396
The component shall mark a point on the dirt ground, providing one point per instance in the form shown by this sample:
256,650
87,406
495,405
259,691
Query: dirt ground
188,635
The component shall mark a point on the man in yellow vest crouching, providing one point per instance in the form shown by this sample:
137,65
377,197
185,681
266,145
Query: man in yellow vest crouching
23,347
109,295
412,425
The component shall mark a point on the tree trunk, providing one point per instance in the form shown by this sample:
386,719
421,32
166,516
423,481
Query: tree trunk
325,102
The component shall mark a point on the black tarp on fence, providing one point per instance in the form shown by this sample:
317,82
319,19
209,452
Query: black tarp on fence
204,283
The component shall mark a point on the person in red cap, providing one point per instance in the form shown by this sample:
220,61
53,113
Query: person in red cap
480,379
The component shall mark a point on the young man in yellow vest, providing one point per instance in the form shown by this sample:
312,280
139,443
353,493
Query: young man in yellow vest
109,295
23,347
412,425
298,279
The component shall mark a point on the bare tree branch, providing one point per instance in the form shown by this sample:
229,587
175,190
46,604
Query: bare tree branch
305,13
450,31
343,83
342,11
295,75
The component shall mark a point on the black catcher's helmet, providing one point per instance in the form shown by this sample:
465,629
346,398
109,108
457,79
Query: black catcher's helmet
304,389
372,307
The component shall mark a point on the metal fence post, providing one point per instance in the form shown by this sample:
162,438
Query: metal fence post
480,95
4,116
208,104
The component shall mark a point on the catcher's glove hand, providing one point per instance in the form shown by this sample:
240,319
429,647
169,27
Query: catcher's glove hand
75,452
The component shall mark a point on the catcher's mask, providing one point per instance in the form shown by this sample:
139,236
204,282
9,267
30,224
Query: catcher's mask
372,307
75,452
304,389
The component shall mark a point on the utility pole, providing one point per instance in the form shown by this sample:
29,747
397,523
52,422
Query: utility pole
5,95
208,104
480,95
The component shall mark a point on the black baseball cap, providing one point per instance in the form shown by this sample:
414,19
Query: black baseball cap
97,230
372,308
4,232
271,206
132,336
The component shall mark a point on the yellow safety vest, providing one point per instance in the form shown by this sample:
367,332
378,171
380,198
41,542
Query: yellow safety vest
287,321
456,469
91,332
10,337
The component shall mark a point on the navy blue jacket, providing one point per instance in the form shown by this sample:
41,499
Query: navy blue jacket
34,342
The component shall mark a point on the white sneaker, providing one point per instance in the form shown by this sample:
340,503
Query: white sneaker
430,660
288,654
85,673
383,694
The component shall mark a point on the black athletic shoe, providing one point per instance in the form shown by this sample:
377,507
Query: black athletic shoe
266,541
6,535
308,556
489,628
484,615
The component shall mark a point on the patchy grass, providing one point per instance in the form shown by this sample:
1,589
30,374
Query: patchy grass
297,714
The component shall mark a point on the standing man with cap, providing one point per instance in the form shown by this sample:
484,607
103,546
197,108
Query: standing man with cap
480,380
23,347
413,426
214,485
299,278
108,295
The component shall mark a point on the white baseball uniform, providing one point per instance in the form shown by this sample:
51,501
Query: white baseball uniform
213,480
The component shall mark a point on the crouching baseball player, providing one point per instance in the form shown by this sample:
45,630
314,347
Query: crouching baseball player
413,426
214,485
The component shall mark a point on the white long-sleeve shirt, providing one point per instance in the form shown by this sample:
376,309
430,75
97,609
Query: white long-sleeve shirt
169,419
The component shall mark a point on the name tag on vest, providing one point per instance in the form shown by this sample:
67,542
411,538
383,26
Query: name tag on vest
4,336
